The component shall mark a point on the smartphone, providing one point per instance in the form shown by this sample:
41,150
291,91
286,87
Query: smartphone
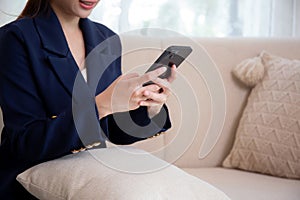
172,55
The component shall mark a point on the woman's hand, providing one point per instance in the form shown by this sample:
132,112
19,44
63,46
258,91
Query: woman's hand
158,93
127,93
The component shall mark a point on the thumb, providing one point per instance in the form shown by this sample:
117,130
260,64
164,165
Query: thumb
150,76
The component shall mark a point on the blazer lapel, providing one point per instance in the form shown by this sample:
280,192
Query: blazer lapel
51,33
99,51
65,71
54,42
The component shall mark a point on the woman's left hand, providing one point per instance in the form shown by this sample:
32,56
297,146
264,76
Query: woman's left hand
158,93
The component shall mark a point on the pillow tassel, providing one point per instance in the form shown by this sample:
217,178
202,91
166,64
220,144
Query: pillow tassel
250,71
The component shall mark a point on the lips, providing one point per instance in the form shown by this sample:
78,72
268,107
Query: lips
87,5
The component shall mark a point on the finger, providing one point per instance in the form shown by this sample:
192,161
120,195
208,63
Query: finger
173,74
143,94
150,76
159,98
129,76
152,87
139,92
163,83
138,96
149,103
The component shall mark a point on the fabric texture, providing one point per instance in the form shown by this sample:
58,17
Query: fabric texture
268,136
94,175
243,185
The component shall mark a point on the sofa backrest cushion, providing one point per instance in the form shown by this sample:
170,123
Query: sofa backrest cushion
225,53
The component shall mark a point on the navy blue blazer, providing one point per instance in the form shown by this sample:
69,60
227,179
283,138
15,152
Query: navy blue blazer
43,117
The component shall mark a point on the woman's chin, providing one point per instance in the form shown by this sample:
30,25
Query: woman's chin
84,14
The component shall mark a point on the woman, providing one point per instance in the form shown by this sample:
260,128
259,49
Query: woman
41,55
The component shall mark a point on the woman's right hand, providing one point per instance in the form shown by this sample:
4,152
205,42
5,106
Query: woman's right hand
125,93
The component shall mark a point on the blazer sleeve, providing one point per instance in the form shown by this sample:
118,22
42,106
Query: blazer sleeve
129,127
29,133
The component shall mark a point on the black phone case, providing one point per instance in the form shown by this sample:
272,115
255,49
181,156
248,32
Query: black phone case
172,55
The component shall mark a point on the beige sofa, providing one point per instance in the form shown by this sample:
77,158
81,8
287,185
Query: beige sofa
193,143
205,108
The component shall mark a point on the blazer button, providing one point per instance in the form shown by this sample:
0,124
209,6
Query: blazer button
96,144
75,151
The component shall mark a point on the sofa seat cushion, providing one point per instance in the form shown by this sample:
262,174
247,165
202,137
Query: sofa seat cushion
244,185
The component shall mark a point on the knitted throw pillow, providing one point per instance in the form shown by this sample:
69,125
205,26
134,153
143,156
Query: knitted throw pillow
268,136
